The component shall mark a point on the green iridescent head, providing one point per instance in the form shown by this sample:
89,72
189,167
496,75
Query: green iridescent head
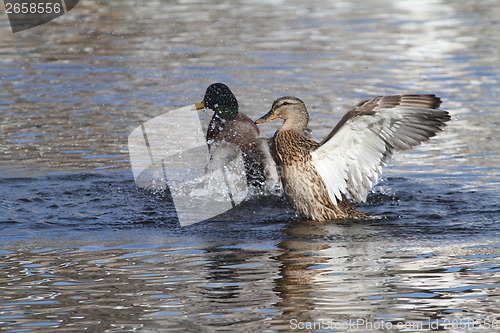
221,100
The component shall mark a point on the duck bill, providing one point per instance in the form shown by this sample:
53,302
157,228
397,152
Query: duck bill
267,117
200,106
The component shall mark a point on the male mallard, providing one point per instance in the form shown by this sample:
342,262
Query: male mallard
231,126
317,177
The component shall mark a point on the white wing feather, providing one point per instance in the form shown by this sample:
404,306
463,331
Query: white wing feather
351,161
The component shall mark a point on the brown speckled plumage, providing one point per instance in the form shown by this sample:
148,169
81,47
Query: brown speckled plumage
403,121
302,185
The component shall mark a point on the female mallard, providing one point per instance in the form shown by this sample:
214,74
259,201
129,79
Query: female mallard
317,177
231,126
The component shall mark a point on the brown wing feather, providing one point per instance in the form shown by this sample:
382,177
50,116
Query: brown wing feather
369,106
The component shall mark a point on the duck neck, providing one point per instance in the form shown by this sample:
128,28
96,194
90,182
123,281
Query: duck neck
226,112
297,124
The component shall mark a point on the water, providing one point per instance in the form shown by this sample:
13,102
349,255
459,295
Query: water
84,249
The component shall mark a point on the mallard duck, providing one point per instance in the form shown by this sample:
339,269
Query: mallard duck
231,126
318,176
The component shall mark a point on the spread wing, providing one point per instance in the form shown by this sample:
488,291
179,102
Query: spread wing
351,157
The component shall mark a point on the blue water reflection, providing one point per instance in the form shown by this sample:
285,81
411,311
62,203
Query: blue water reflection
84,249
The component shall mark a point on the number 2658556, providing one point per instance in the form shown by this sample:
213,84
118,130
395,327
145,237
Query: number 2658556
33,8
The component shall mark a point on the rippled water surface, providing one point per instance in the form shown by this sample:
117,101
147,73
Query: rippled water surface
82,248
